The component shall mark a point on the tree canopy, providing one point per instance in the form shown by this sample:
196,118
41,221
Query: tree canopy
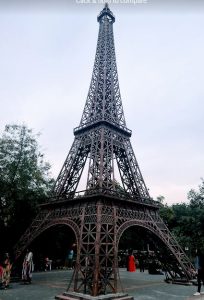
25,180
186,221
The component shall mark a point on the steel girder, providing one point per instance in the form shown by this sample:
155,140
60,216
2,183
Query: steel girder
151,220
44,220
98,225
96,267
104,147
71,171
104,100
102,135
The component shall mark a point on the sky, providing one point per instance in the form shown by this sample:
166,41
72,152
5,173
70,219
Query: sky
46,59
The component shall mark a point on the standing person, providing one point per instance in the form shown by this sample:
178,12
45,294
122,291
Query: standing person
70,259
27,267
131,262
199,265
6,274
141,262
48,264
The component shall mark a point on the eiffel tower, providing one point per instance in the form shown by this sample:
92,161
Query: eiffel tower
101,213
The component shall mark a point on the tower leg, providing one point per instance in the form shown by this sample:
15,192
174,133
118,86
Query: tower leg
96,273
96,269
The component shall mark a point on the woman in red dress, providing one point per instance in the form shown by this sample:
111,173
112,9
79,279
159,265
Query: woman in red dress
131,262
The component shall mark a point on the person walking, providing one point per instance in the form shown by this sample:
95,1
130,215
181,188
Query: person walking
27,267
199,265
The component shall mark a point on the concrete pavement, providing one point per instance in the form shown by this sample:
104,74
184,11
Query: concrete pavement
141,286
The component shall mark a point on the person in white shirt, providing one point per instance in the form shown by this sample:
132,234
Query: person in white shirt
27,267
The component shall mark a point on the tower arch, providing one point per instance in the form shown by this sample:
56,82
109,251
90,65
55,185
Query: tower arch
179,264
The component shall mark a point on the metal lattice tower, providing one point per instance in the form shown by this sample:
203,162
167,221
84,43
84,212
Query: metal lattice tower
102,135
101,214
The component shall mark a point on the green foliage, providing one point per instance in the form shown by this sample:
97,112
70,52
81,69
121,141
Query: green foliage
161,199
197,197
186,221
167,215
24,179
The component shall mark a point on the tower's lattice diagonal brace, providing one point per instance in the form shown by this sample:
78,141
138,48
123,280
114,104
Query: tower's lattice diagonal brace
102,136
103,147
70,174
130,172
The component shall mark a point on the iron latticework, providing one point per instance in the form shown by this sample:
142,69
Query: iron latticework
102,135
100,214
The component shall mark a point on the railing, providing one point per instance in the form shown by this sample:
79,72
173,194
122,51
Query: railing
90,125
106,192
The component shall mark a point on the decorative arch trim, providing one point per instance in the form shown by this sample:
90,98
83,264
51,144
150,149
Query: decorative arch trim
155,230
50,223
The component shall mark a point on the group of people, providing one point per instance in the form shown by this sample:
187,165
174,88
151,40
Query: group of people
6,267
28,267
199,266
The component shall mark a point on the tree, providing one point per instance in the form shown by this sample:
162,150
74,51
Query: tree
186,221
160,199
196,205
197,197
167,214
25,180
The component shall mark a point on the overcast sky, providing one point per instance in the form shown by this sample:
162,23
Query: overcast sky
47,53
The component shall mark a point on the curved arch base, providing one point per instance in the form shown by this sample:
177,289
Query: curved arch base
98,224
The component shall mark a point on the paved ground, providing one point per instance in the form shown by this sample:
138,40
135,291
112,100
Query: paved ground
140,285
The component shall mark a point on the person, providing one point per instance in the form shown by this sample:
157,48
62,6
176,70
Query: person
27,267
48,264
199,266
70,259
6,272
141,262
131,267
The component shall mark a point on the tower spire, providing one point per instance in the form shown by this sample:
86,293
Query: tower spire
106,11
104,100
